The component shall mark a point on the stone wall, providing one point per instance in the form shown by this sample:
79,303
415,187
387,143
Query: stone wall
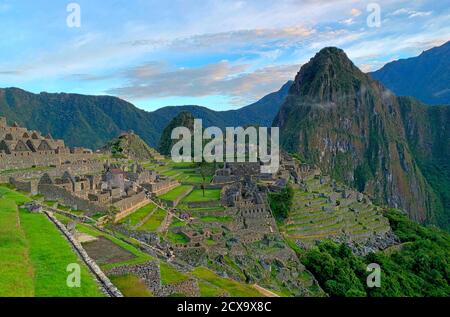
76,168
42,158
30,186
124,213
204,204
150,274
95,269
52,192
130,202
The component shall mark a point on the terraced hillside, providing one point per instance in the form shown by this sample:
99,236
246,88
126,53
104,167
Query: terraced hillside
322,209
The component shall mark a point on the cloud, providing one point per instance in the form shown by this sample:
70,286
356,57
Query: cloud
237,81
410,13
355,12
231,39
348,21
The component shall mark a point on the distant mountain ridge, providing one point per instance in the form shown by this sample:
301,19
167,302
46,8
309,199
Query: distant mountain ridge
426,77
92,121
356,130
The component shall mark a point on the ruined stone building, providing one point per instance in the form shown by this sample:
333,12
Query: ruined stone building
22,148
248,203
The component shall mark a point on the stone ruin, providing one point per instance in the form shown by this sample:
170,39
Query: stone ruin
23,148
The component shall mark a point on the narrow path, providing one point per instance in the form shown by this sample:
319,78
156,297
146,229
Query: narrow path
166,223
145,219
265,291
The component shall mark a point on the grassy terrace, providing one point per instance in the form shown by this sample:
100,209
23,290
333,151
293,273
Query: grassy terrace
154,221
119,240
34,255
170,275
137,216
175,193
131,286
197,195
216,283
313,217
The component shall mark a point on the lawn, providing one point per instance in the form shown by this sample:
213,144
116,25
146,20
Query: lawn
34,255
175,193
197,195
131,286
50,255
16,271
138,215
234,288
170,275
152,224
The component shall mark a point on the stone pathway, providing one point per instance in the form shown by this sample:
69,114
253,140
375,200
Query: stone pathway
166,223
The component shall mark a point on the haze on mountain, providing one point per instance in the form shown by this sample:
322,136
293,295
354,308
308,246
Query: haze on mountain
426,77
359,132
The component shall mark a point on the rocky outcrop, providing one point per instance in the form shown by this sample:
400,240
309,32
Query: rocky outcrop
374,243
150,274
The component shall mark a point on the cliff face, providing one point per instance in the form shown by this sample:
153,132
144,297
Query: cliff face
353,128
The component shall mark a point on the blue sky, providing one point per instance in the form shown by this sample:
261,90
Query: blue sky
221,54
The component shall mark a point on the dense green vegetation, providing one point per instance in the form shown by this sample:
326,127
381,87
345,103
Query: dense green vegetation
420,267
281,203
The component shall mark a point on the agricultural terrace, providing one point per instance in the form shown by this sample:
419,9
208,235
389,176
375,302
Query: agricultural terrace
176,193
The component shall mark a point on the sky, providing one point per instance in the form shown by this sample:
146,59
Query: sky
221,54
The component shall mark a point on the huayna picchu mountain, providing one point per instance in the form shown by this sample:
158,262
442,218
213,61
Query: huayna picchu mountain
359,132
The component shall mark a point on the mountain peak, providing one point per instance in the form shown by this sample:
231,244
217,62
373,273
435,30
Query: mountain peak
329,75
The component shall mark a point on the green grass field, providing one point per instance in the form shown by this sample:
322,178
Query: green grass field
234,288
138,215
152,224
131,286
197,195
34,255
175,193
170,275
